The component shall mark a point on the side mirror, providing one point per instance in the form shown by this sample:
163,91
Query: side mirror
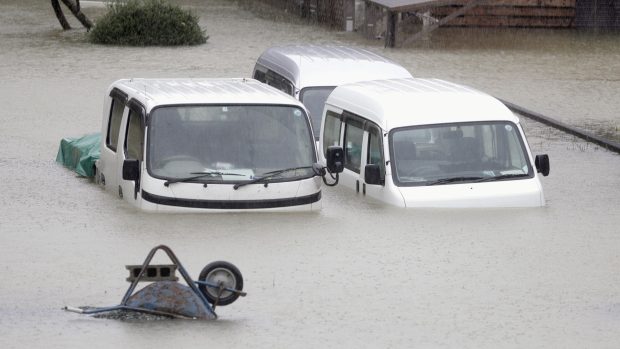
542,164
372,174
131,170
335,159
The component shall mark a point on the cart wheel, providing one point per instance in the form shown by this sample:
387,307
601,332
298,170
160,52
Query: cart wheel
226,274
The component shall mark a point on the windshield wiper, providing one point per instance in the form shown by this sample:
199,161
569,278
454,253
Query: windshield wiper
200,175
267,175
505,176
454,179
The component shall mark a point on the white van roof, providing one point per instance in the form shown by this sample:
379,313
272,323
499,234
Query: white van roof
407,102
153,92
329,65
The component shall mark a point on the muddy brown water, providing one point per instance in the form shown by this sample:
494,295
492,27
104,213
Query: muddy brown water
356,274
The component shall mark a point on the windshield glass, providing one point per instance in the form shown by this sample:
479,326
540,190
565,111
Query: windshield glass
229,143
314,99
457,153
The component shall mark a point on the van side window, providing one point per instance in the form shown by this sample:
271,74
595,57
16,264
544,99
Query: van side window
260,76
375,149
353,138
278,81
114,123
331,132
134,140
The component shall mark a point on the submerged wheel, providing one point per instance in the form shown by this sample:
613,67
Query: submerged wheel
223,273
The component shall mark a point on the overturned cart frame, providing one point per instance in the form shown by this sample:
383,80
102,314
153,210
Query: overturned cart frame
220,283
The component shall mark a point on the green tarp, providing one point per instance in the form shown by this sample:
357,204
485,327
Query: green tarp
80,154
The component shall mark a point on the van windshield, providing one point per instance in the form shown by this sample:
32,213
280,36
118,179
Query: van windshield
229,142
314,99
458,153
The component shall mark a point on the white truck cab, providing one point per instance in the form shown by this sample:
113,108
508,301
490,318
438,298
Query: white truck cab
310,72
207,144
431,143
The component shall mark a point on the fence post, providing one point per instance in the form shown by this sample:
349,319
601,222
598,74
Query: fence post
390,32
349,15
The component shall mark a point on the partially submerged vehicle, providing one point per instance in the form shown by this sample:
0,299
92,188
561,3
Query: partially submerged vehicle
310,72
431,143
207,144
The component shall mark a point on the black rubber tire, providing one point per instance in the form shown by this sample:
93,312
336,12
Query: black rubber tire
234,275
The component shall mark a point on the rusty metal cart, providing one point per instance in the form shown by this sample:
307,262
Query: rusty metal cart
220,283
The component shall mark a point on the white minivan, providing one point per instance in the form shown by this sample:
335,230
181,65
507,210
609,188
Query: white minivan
207,144
311,72
431,143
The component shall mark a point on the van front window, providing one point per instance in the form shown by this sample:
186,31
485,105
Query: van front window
229,142
458,153
314,99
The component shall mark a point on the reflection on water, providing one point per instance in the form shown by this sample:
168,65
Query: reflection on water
356,274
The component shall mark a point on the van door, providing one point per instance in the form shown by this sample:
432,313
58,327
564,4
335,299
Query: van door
363,143
133,148
373,142
354,151
348,131
112,120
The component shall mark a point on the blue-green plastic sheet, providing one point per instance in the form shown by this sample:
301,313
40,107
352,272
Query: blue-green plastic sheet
80,154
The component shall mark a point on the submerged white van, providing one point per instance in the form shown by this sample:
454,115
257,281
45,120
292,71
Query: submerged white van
207,144
310,72
431,143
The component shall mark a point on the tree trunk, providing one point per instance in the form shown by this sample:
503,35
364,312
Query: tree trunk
74,6
61,16
75,9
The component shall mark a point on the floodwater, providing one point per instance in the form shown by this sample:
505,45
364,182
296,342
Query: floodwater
356,274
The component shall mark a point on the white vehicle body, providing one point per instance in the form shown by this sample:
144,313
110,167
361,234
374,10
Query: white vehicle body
309,72
431,143
196,144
